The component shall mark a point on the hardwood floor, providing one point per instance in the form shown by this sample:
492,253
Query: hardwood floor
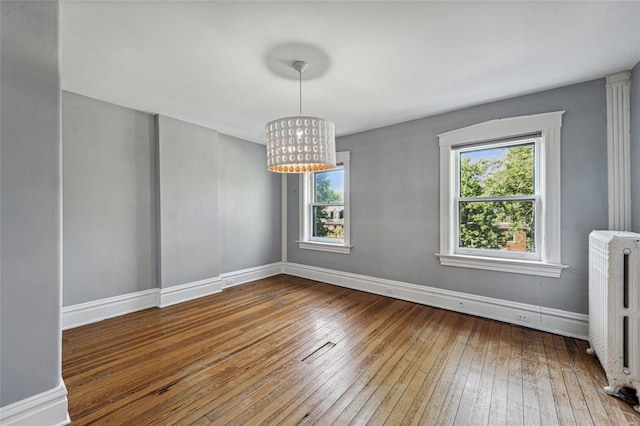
286,350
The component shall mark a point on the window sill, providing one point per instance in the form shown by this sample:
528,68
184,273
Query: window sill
333,248
515,266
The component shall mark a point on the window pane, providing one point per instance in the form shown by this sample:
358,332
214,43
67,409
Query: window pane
497,225
498,171
328,221
329,186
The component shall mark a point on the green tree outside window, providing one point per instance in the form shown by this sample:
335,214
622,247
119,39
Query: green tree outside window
494,224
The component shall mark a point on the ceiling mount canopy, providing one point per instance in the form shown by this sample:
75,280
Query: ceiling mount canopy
300,144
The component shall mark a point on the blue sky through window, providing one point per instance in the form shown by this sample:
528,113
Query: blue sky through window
484,154
336,180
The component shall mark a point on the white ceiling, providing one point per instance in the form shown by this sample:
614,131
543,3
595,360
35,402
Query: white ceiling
386,62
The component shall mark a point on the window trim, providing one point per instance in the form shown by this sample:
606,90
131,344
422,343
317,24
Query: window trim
549,125
306,240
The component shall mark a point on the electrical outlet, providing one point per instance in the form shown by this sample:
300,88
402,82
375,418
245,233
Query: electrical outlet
229,282
522,317
388,290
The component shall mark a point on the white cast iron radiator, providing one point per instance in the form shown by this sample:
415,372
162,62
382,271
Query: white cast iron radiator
614,307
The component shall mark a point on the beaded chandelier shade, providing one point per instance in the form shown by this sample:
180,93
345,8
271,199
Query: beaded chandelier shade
300,144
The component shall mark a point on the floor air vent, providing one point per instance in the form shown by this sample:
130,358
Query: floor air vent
318,353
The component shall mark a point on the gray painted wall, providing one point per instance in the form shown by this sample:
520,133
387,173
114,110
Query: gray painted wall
30,289
109,220
144,193
188,191
395,201
635,148
250,201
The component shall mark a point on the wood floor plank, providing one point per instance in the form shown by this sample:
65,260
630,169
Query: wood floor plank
220,374
242,357
404,333
472,386
612,405
342,348
445,413
531,404
169,339
396,377
203,421
482,405
515,404
345,347
131,329
579,406
310,410
437,342
596,409
499,391
331,407
558,386
438,369
544,389
362,389
195,364
298,386
200,356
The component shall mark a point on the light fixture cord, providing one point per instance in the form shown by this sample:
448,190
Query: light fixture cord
300,80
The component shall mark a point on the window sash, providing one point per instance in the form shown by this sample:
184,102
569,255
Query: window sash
337,203
312,223
326,240
533,255
498,198
536,198
499,143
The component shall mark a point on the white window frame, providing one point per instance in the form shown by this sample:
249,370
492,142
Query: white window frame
306,239
546,261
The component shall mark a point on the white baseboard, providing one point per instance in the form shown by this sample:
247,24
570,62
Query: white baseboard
546,319
231,279
46,408
537,317
98,310
181,293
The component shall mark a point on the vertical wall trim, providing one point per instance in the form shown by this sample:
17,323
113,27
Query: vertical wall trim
619,150
551,231
283,214
446,189
155,181
60,209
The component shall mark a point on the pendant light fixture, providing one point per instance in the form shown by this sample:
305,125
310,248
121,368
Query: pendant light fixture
300,144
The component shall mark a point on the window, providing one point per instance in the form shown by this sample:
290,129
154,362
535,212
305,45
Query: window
500,195
496,199
324,208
